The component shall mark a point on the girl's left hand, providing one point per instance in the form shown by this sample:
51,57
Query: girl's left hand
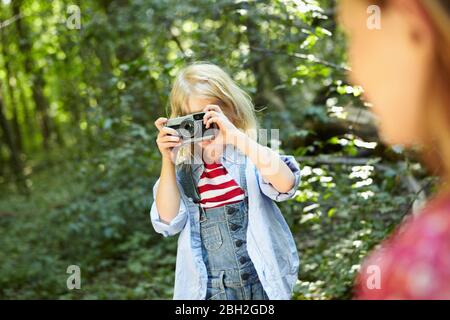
228,132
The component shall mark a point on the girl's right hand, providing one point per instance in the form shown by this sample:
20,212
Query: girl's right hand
167,140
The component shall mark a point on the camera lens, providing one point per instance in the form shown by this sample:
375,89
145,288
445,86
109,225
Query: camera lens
187,128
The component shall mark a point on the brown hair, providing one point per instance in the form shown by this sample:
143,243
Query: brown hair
436,142
436,148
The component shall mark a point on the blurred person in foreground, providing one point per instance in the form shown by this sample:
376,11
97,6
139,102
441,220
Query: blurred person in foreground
404,66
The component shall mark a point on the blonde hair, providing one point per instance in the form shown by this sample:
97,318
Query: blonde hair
210,81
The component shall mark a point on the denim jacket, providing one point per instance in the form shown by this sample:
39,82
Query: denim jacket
270,244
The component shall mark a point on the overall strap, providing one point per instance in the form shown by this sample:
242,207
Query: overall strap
242,175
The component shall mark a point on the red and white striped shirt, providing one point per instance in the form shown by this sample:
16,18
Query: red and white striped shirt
217,188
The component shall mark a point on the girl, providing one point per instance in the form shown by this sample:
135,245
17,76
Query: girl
404,68
234,242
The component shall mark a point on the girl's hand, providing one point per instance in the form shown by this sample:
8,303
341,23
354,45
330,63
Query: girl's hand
228,132
167,140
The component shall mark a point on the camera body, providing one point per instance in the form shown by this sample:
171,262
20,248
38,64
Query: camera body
190,128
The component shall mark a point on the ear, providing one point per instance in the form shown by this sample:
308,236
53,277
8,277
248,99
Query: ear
420,25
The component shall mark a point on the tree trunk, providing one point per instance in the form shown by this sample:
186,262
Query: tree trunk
42,106
16,163
29,124
2,160
266,74
10,89
38,81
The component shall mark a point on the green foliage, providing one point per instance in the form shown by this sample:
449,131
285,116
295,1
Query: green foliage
95,218
344,211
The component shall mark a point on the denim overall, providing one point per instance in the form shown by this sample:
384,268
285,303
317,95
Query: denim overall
231,273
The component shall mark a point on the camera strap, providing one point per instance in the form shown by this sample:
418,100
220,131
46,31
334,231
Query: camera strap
188,183
190,189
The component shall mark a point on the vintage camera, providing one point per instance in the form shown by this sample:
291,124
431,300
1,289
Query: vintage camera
191,128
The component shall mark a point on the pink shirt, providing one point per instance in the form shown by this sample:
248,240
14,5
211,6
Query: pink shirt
414,263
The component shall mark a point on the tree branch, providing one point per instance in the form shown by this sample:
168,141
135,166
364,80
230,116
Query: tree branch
308,57
11,20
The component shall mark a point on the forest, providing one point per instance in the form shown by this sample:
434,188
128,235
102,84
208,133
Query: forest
81,84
